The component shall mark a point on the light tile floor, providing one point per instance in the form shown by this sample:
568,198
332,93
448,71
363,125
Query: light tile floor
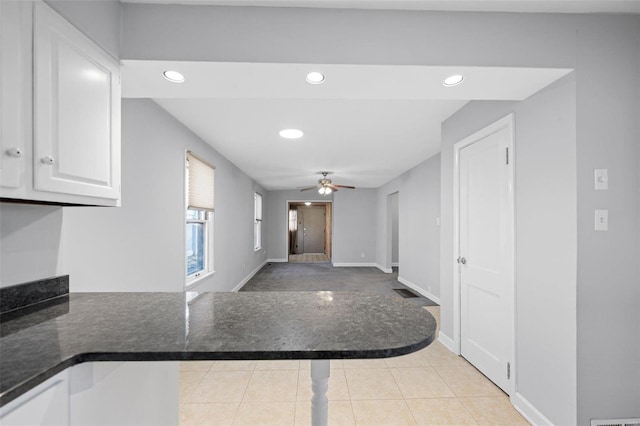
429,387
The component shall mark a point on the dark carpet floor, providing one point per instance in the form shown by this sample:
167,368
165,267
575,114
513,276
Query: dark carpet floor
324,277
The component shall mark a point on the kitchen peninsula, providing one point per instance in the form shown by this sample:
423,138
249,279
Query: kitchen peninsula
88,327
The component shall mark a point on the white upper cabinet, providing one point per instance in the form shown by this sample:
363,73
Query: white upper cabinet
15,88
71,135
77,106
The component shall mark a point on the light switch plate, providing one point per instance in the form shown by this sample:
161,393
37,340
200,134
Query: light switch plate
602,220
601,179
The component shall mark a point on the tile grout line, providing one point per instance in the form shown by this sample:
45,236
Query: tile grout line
235,415
346,382
467,410
404,398
295,406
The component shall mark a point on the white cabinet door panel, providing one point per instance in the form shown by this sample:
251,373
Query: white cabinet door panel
77,110
15,57
46,404
124,393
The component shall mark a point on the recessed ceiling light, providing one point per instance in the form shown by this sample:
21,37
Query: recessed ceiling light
173,76
291,133
453,80
315,77
307,203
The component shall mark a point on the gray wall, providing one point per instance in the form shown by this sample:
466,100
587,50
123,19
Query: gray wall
100,20
354,226
545,168
419,235
276,219
608,116
140,246
343,36
30,243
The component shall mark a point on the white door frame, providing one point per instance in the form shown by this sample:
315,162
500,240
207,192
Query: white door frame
387,266
286,240
505,122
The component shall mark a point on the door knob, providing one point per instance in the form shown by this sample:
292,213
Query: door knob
48,160
14,152
463,260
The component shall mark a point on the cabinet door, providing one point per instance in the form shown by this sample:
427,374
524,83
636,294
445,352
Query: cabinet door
76,111
46,404
15,80
124,393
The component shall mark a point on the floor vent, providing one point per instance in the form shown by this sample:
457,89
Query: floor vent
405,293
616,422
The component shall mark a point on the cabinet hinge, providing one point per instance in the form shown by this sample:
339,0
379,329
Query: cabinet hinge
507,155
508,370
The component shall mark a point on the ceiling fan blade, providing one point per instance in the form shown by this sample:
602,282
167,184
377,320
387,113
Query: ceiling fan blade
345,186
308,188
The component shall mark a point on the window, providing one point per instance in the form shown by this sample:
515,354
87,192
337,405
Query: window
257,221
199,186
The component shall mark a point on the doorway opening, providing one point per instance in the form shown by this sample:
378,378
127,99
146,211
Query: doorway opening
309,231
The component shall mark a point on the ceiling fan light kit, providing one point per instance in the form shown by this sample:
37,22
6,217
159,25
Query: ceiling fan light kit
325,186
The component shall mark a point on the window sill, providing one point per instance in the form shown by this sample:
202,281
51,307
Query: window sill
197,281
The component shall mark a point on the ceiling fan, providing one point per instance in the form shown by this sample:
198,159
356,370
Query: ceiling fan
325,186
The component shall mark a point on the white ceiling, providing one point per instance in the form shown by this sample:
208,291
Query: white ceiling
365,124
530,6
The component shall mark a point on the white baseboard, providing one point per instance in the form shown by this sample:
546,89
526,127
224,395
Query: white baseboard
383,269
447,342
528,411
277,260
420,290
248,277
358,265
395,264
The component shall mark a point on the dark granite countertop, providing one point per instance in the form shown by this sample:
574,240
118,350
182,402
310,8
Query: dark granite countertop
85,327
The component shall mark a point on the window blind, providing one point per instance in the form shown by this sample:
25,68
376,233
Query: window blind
200,184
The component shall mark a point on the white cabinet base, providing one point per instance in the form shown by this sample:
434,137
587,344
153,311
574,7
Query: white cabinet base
101,394
124,393
46,404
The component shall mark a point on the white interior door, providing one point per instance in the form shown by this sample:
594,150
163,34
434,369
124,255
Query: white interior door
485,250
